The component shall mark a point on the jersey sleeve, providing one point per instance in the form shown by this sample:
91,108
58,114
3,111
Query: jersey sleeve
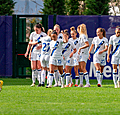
93,41
31,36
84,38
106,42
111,41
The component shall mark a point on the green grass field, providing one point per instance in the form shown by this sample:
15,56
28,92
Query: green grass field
18,98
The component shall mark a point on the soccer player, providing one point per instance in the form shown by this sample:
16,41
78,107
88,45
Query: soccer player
56,58
75,40
45,55
68,56
1,83
56,72
99,59
83,57
35,52
115,42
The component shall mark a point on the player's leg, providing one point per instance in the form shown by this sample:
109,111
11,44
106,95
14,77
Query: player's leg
115,74
80,75
33,67
76,75
101,74
97,66
119,76
39,71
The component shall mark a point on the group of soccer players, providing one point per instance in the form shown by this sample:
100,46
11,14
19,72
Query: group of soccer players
56,54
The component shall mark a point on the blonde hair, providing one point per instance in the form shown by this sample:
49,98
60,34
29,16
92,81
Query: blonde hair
82,29
73,29
49,32
56,25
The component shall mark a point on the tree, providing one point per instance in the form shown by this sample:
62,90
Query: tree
6,7
54,7
72,7
115,6
97,7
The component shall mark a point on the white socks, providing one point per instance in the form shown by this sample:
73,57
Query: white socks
67,78
34,75
39,76
115,78
98,76
81,77
56,74
76,79
86,78
50,78
43,75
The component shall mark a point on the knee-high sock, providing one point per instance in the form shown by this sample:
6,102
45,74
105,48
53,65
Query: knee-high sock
67,78
71,78
56,76
62,78
43,75
48,77
39,76
81,77
115,78
119,74
101,77
33,75
51,78
98,76
86,78
76,79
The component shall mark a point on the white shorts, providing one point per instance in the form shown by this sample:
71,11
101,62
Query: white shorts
45,60
100,60
75,62
35,56
115,59
68,62
83,57
56,61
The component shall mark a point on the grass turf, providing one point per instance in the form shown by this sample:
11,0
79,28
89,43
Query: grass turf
18,98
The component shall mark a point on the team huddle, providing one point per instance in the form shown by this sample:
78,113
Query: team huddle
56,54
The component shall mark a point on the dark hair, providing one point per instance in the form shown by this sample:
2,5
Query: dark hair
66,32
38,25
103,30
54,32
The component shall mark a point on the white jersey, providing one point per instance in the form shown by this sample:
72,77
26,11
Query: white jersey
76,44
45,45
99,46
34,37
83,39
60,36
67,48
56,48
115,41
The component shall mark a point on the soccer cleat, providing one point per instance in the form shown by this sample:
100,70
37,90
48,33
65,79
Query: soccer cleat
59,83
1,83
66,85
33,85
87,85
49,86
80,85
76,85
39,85
43,85
99,85
70,84
118,82
56,85
62,86
116,86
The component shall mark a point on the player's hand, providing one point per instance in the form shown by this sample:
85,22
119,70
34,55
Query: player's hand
100,52
71,55
108,59
39,47
79,50
26,54
63,57
89,57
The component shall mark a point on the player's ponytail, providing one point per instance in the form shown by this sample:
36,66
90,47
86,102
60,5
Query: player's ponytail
103,31
73,29
49,32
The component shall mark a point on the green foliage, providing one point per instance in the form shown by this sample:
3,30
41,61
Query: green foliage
6,7
54,7
72,7
96,7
